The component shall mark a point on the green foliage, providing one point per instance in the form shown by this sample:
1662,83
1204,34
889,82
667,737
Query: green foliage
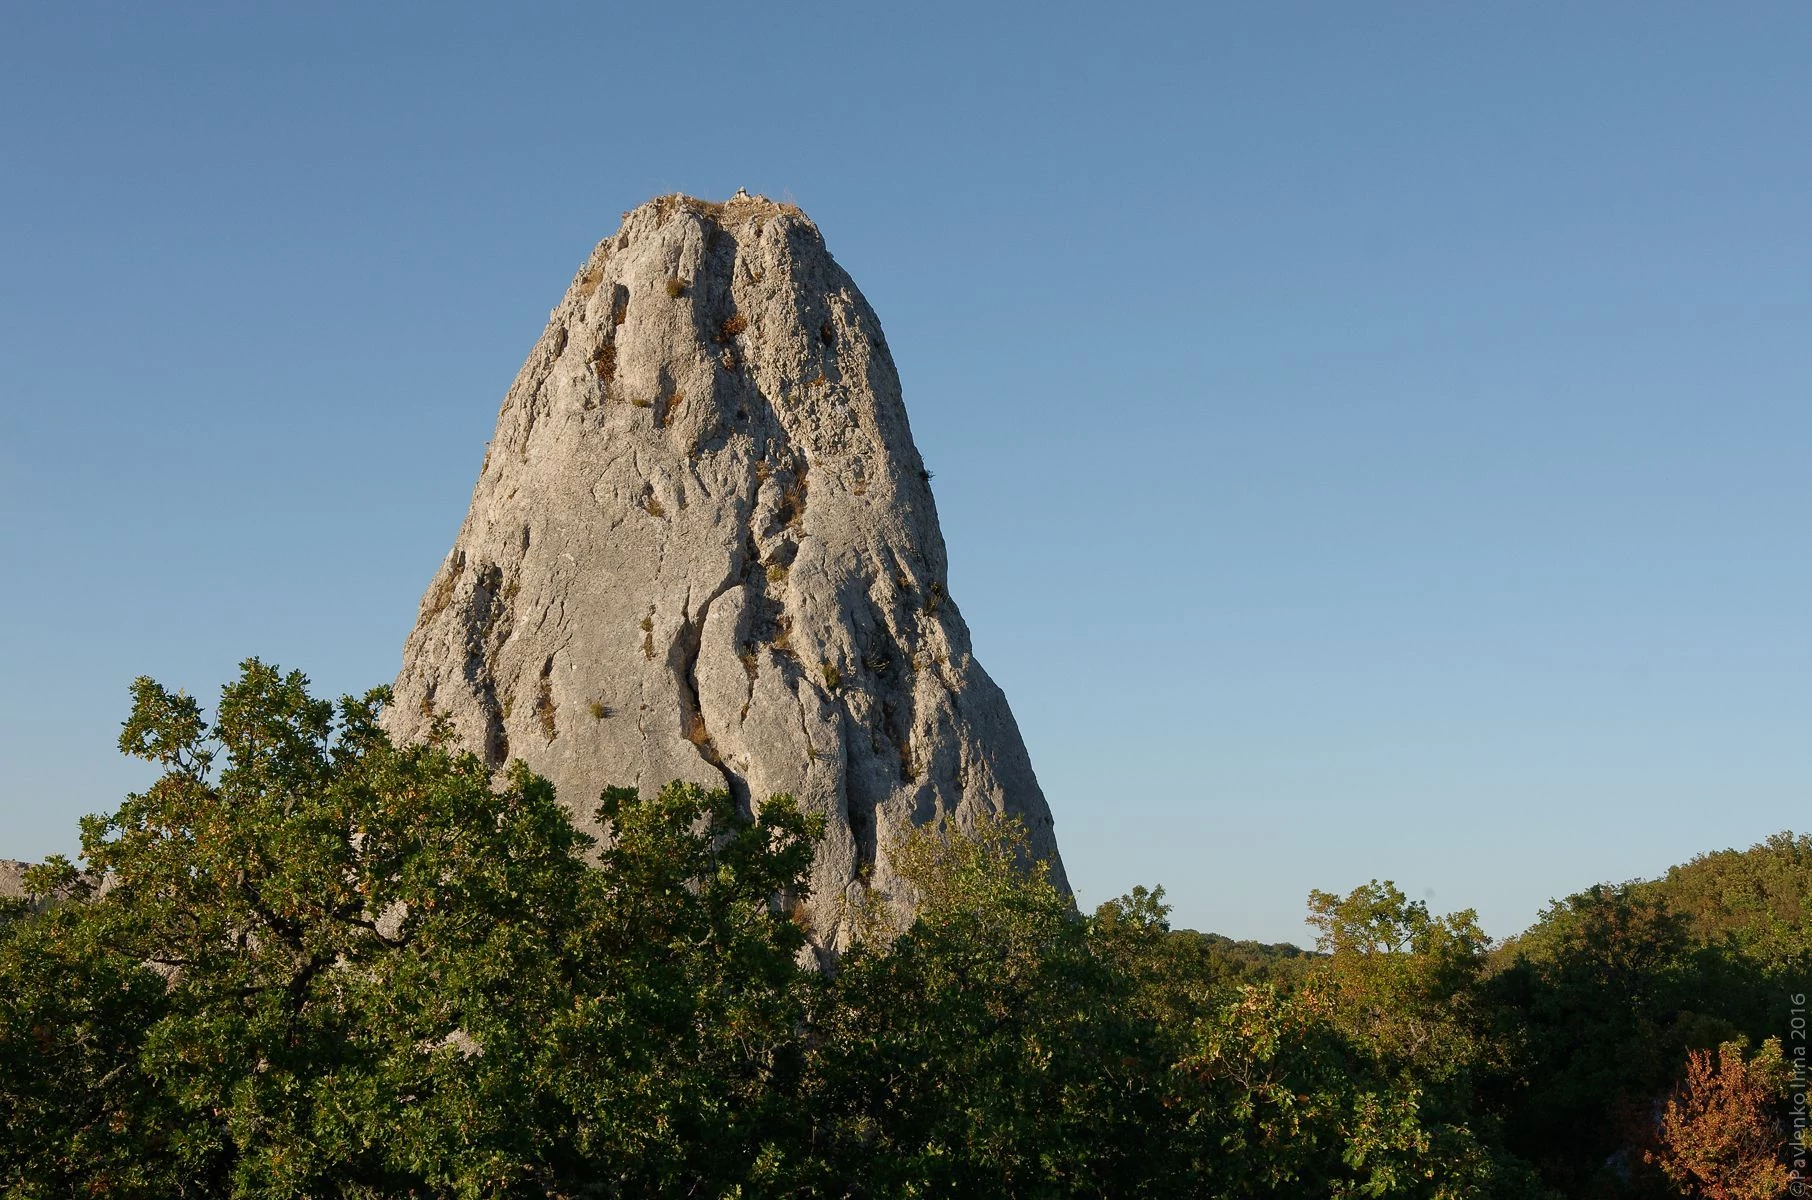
1748,916
308,962
1399,980
987,1050
1005,1046
1175,976
1280,1103
342,924
1598,1007
76,1116
1757,902
335,967
678,1056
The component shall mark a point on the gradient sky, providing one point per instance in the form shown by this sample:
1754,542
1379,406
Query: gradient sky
1372,440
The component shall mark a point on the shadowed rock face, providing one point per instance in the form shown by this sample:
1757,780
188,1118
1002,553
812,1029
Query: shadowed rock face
702,547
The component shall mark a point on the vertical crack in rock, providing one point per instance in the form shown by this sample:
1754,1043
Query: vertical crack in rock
712,411
686,647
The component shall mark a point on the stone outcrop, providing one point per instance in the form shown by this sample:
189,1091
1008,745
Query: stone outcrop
12,886
12,879
703,546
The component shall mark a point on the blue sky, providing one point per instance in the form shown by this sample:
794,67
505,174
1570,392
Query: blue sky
1371,440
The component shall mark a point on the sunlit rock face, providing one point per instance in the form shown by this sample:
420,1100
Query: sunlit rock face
703,547
12,879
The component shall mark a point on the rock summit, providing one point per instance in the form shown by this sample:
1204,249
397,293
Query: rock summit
703,546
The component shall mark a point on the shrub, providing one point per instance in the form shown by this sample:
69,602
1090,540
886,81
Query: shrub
696,733
593,275
544,707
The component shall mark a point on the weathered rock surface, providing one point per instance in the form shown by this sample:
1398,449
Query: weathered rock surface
702,546
12,885
12,879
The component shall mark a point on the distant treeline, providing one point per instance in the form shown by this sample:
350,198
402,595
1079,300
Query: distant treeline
323,965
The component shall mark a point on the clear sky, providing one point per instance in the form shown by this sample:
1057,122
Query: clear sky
1372,440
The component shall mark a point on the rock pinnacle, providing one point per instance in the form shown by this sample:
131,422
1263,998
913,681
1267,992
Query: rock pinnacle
703,546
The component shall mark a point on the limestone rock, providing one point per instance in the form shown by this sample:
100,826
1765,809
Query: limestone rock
12,886
12,879
703,546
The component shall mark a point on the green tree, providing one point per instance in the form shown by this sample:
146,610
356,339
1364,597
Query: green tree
1594,1006
987,1050
77,1116
1398,979
1759,899
1274,1101
1005,1045
1358,1081
324,965
1177,974
1748,916
680,1057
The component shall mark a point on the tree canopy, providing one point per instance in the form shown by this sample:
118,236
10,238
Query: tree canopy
309,962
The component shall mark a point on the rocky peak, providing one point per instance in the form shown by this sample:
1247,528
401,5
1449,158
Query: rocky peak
703,546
